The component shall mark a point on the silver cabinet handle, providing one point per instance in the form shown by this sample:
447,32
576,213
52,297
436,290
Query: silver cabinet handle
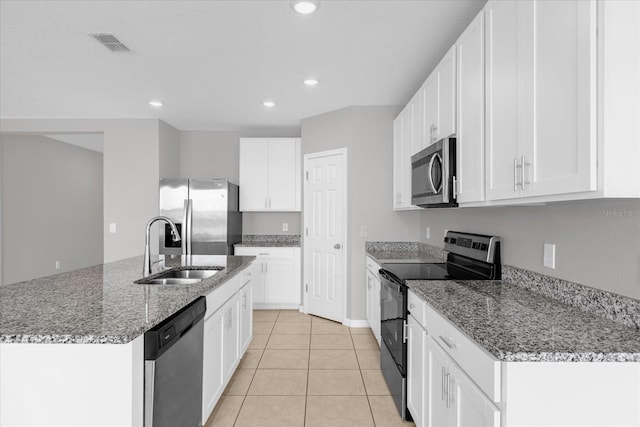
524,165
444,373
448,385
515,174
244,300
337,246
435,133
264,253
448,342
404,332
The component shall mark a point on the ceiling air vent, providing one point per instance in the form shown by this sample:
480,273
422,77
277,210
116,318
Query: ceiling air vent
110,42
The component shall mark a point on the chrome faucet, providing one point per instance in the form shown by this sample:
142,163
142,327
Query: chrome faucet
146,267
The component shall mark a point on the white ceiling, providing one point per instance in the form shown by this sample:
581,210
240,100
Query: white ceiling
213,63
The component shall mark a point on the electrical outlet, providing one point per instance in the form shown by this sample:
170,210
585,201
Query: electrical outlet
549,255
427,232
112,227
57,265
363,231
285,226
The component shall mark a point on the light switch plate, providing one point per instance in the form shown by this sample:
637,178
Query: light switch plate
57,265
112,227
285,226
427,232
549,255
363,231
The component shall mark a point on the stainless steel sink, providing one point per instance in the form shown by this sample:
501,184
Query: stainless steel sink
179,277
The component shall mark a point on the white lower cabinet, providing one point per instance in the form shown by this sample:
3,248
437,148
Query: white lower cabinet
276,276
417,387
455,400
373,297
227,333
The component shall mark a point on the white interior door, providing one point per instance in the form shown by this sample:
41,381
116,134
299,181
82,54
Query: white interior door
324,234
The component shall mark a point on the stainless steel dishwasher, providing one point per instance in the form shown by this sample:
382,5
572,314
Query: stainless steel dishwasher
173,369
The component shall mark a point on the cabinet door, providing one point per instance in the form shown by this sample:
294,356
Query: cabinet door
472,407
254,174
284,174
415,371
231,336
397,156
212,367
430,93
446,117
560,154
470,116
280,285
370,299
246,316
417,123
375,308
440,413
504,119
405,162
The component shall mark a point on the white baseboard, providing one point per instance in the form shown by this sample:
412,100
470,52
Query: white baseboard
356,323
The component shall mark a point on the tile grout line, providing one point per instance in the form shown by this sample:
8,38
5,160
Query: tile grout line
363,382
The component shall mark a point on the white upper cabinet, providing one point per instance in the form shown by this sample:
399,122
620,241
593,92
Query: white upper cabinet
439,92
470,113
402,141
270,174
540,98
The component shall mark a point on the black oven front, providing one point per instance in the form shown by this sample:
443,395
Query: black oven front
393,351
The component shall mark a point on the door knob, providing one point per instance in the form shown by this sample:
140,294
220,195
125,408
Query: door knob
337,246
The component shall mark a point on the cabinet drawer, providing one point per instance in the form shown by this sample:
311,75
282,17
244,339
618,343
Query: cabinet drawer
372,266
265,252
415,305
479,365
221,294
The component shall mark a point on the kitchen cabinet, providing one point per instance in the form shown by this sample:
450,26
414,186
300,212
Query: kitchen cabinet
454,399
540,97
470,113
418,141
417,380
402,139
276,277
246,308
227,333
270,174
439,92
373,298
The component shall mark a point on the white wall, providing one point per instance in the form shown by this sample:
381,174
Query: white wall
52,207
216,154
131,173
597,242
367,133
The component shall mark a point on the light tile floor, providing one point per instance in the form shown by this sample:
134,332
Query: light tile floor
303,370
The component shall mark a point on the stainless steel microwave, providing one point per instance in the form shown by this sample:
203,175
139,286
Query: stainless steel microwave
433,172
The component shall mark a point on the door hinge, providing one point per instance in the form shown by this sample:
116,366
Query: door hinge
306,174
306,287
306,231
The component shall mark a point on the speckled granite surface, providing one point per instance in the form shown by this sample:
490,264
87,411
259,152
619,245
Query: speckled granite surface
100,304
382,252
615,307
270,240
515,324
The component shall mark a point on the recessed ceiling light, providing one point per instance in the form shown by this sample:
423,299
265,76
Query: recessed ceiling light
156,104
269,104
304,7
311,82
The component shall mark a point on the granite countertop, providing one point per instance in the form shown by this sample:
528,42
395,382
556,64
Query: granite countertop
383,256
269,241
518,325
101,304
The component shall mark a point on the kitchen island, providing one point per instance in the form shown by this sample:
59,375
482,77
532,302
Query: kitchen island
47,378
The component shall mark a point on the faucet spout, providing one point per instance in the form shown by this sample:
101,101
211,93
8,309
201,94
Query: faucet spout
146,267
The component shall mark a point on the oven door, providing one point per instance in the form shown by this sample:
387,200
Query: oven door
393,311
432,173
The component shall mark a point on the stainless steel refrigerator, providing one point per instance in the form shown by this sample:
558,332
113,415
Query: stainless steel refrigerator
206,214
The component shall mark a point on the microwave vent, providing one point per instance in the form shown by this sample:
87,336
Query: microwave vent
110,41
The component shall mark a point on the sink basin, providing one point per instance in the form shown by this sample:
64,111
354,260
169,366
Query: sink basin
189,274
179,277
